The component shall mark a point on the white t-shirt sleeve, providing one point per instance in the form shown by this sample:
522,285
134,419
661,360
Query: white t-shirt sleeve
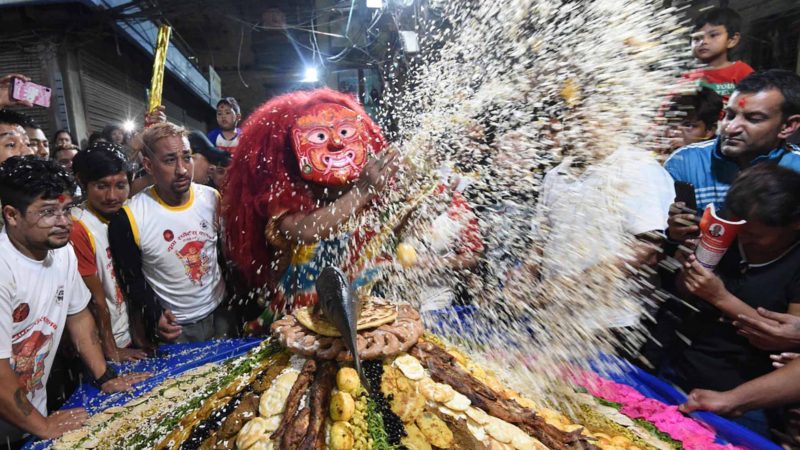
6,311
649,196
78,294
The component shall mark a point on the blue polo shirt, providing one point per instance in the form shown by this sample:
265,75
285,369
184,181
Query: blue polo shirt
712,173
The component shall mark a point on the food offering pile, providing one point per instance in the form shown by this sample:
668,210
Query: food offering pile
299,390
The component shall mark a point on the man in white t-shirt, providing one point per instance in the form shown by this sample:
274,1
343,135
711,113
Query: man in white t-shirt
103,172
612,213
165,245
41,294
586,213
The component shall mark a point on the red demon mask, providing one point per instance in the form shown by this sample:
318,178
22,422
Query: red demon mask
331,143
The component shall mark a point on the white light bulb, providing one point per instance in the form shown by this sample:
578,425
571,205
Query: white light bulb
311,75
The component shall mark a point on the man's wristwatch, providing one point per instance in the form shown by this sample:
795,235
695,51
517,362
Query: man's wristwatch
109,374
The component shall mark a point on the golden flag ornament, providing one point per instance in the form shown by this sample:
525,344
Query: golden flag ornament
157,83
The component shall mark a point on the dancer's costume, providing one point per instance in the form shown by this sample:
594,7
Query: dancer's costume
292,147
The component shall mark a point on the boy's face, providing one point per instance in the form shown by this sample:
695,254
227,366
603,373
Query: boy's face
712,41
226,117
692,131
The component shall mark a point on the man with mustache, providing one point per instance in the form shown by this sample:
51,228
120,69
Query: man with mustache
149,233
761,114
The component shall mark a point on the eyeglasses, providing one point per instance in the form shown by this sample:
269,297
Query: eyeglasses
47,217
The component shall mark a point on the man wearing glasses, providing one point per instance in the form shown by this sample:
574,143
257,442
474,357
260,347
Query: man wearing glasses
41,294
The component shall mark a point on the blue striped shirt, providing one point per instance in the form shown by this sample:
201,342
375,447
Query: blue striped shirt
712,173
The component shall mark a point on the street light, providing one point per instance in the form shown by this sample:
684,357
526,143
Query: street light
311,75
128,126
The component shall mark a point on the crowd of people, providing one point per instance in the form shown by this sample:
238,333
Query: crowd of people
121,242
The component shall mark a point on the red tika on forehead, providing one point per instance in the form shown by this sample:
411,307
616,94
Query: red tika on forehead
62,198
742,102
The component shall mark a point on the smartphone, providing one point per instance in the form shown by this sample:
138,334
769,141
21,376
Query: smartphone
684,192
32,92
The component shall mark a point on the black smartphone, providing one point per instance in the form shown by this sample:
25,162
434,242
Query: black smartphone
684,192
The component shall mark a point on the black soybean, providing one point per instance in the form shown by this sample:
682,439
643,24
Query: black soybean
395,430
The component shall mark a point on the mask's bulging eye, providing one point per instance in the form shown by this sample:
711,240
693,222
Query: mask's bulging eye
317,137
347,131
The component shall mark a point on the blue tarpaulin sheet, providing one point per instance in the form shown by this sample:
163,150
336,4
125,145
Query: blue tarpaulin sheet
171,361
175,359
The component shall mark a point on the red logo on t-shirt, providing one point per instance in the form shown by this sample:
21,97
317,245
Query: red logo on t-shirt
21,312
195,262
30,355
168,235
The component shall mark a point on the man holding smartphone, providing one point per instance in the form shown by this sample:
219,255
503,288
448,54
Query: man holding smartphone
762,113
6,99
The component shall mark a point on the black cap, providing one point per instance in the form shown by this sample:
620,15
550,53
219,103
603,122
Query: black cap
200,144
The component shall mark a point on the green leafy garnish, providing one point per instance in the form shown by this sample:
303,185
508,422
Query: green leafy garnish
380,441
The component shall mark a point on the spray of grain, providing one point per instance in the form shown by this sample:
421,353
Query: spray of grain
501,93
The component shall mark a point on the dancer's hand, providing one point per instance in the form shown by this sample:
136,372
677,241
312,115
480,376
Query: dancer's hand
379,170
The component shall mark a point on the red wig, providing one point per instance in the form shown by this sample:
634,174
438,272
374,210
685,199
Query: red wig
264,179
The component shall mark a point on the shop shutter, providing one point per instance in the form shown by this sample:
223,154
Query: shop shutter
110,96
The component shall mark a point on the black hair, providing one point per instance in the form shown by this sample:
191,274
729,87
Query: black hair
110,128
64,130
705,105
786,81
30,123
99,161
9,117
23,179
96,136
726,17
767,193
230,101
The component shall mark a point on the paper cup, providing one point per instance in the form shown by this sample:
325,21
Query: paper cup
716,236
